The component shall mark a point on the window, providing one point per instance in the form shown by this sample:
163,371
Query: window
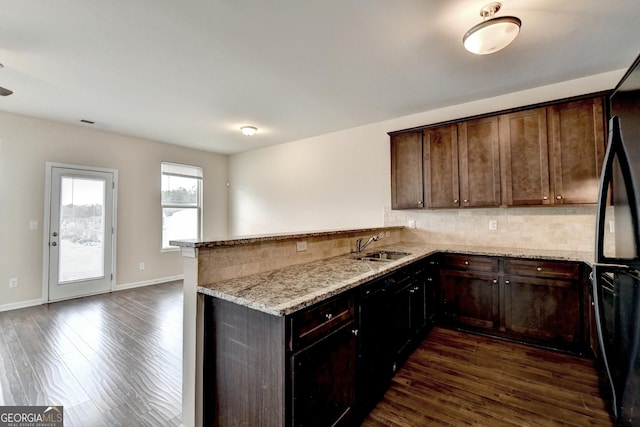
181,203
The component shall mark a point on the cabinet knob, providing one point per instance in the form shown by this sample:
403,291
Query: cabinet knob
455,201
495,281
420,203
429,279
545,198
559,197
354,332
466,263
539,269
328,316
506,282
466,200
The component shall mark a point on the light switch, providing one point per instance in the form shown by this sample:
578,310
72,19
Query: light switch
493,224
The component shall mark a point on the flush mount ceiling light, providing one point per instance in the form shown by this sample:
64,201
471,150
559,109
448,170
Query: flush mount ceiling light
3,91
492,34
248,130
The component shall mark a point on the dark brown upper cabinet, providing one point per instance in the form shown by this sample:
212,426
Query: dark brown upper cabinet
479,162
524,158
577,135
549,155
440,150
406,171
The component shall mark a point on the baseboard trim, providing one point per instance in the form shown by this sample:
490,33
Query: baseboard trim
30,303
20,304
132,285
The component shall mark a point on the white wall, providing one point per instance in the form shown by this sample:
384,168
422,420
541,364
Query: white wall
342,180
27,143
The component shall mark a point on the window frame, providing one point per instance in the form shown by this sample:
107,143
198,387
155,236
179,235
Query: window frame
197,174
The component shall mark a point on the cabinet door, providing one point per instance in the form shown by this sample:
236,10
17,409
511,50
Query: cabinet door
479,161
406,171
440,149
470,298
323,379
577,142
401,318
524,158
545,309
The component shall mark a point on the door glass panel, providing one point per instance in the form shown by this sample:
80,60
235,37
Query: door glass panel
82,229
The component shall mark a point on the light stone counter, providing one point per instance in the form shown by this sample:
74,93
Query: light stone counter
286,290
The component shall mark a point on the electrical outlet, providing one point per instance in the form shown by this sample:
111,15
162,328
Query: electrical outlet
13,282
33,225
412,223
141,266
493,224
301,246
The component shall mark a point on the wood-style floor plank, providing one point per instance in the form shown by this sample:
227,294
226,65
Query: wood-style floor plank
111,360
456,378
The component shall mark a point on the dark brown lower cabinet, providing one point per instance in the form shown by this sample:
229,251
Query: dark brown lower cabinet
529,300
324,379
470,298
543,309
297,370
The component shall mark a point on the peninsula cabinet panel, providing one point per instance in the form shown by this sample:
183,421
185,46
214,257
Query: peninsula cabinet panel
441,188
577,141
524,158
406,171
479,162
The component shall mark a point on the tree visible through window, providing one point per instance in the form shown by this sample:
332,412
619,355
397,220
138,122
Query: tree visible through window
181,202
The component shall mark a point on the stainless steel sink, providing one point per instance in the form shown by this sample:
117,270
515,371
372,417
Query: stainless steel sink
384,256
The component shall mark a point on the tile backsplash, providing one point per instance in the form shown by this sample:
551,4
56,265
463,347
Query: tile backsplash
558,228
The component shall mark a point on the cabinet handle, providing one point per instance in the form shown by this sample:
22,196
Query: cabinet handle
429,279
328,316
354,332
539,269
559,197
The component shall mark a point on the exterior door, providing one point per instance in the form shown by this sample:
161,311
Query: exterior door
80,231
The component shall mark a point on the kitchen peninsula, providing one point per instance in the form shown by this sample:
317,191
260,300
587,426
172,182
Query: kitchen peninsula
298,297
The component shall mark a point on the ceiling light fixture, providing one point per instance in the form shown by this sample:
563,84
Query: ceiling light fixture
3,91
492,34
248,130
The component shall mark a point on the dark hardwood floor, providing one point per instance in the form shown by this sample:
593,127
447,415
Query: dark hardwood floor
110,360
456,379
116,360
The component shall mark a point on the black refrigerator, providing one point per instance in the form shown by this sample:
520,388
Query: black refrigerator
616,272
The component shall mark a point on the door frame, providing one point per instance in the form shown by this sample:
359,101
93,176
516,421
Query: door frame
47,220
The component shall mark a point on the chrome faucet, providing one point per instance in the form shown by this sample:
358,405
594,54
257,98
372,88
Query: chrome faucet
360,247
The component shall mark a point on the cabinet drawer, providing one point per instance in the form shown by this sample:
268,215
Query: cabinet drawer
542,268
312,323
470,262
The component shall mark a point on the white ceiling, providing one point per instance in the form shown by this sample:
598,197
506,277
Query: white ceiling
192,72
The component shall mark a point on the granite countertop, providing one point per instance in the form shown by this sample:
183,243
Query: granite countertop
286,290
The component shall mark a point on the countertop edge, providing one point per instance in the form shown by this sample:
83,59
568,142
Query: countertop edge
247,240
